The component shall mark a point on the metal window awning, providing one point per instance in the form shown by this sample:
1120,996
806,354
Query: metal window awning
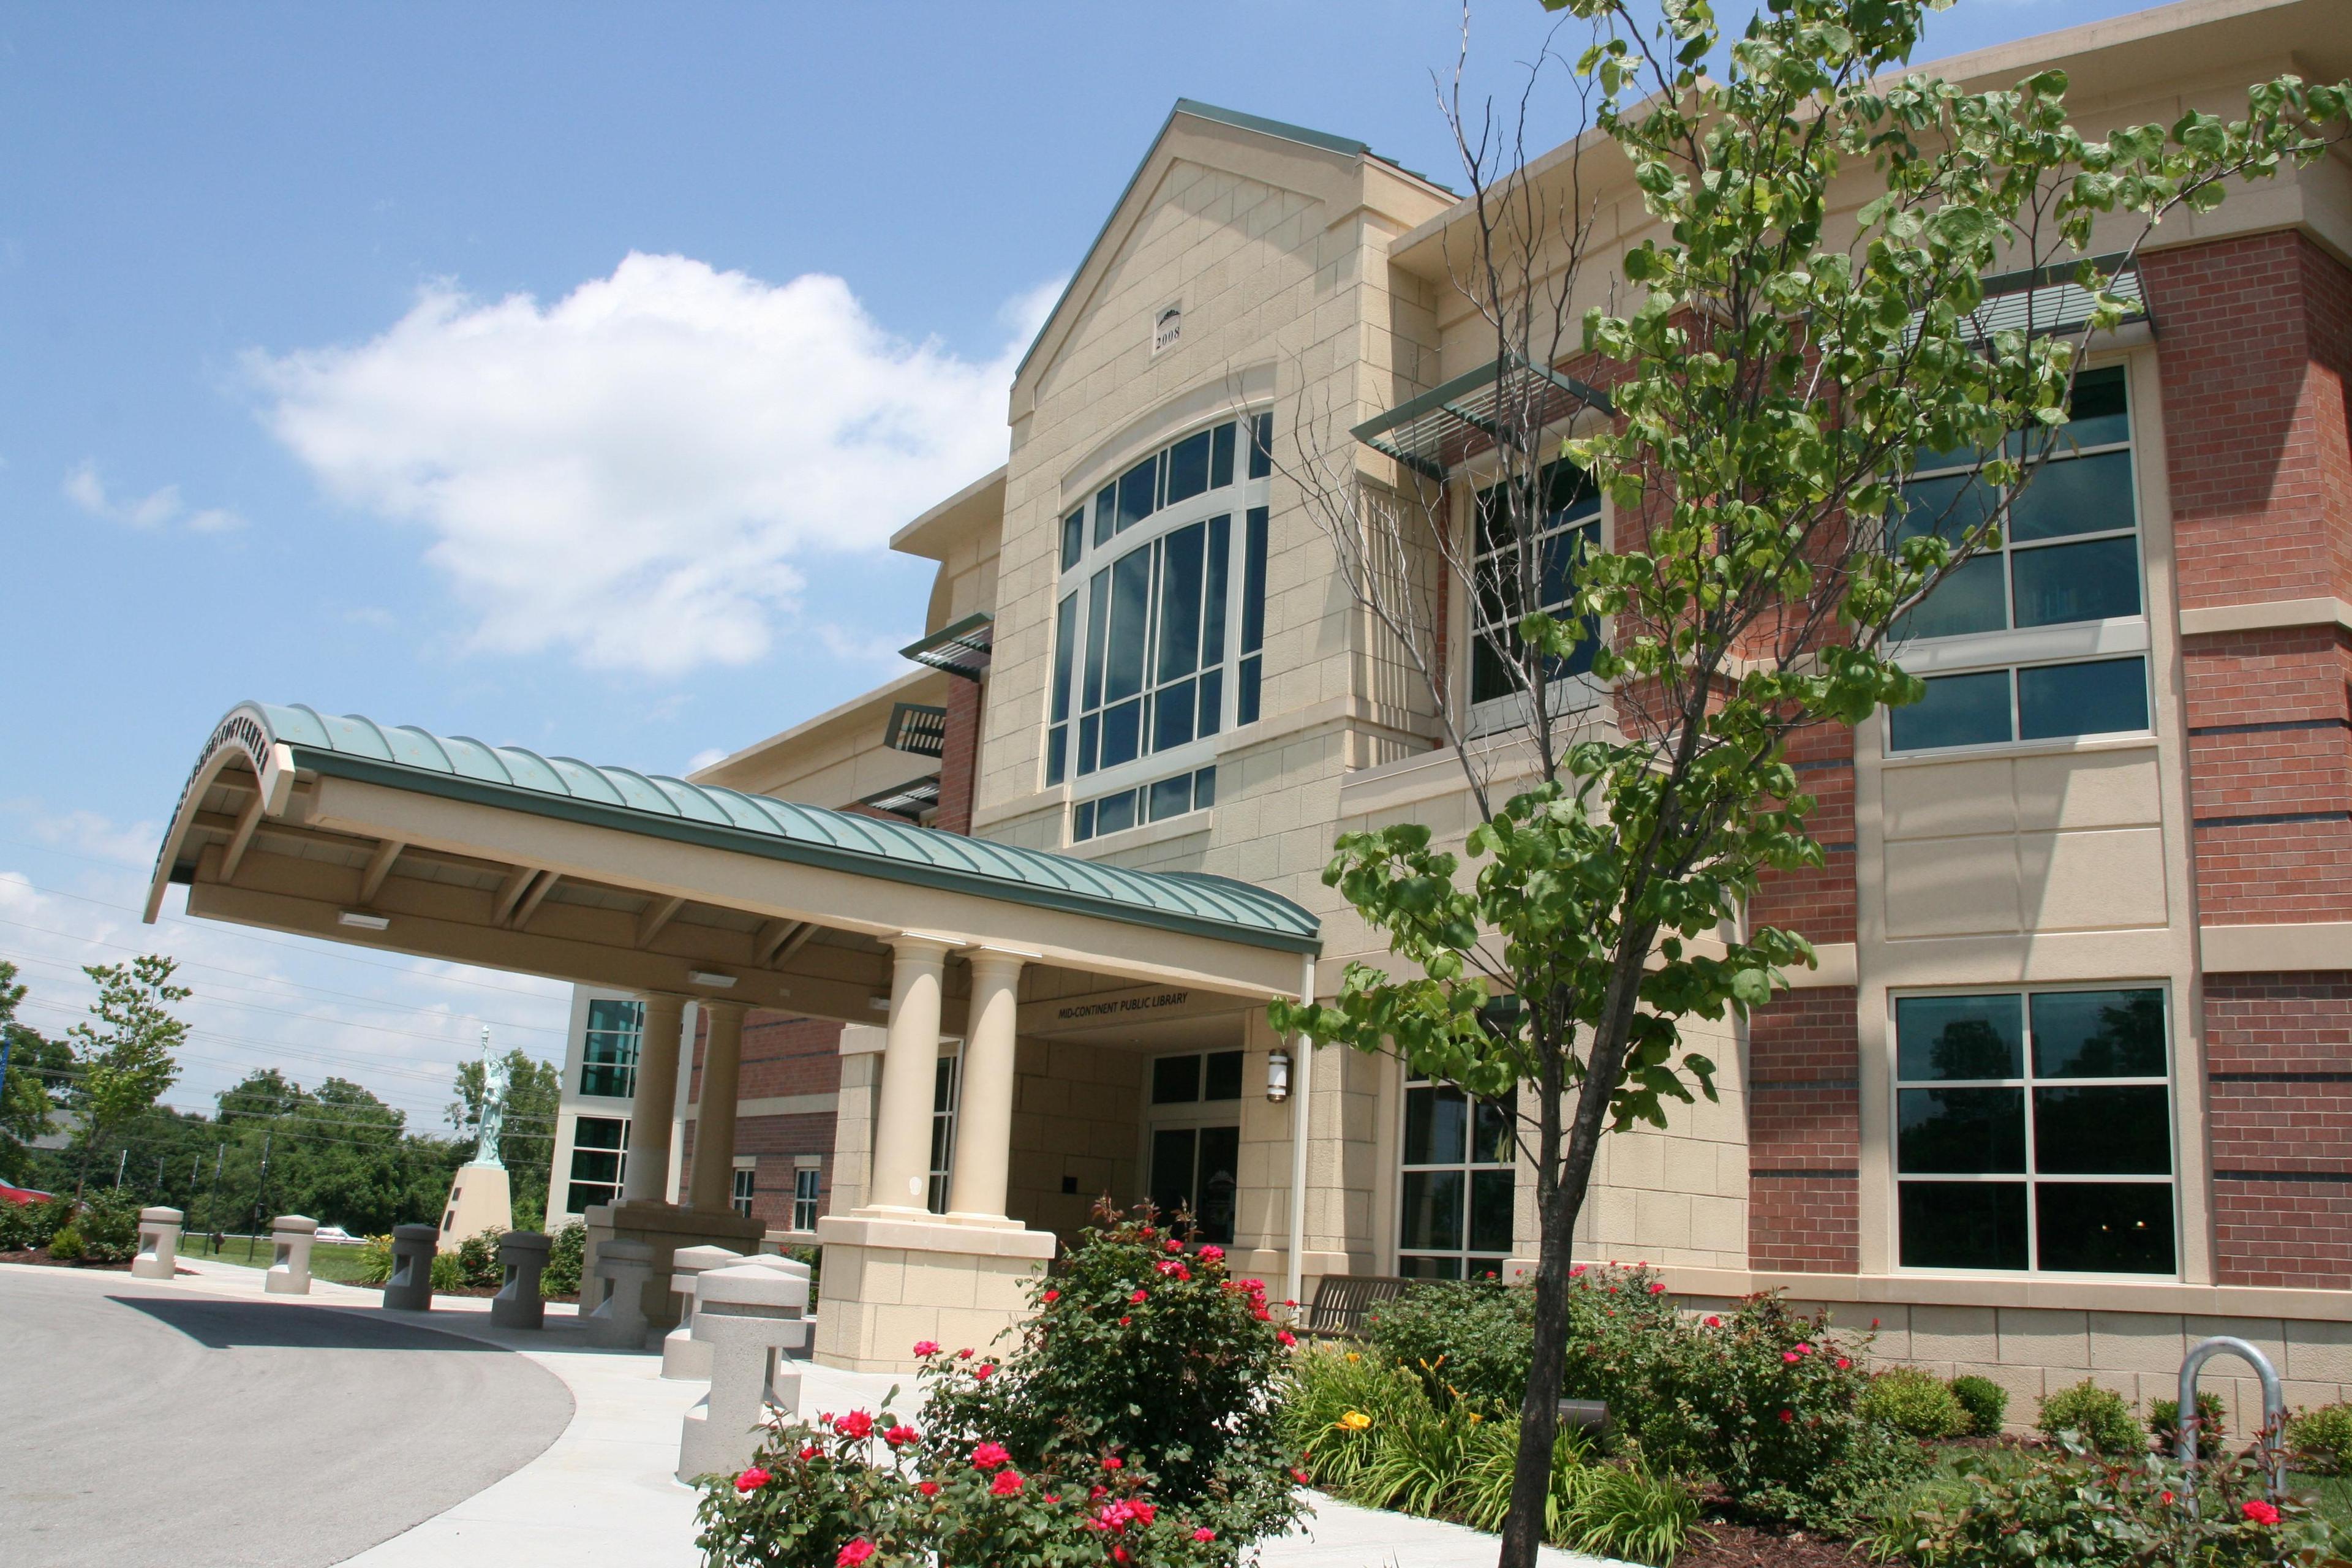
917,727
960,649
1432,432
909,800
2048,299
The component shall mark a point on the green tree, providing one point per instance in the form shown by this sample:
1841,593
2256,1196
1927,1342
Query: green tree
123,1058
1771,382
28,1094
527,1143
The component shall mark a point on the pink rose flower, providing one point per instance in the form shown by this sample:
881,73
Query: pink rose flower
751,1481
855,1552
927,1347
1789,1356
1211,1253
988,1455
1203,1533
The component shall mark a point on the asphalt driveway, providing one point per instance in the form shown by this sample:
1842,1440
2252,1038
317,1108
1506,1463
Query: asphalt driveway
143,1426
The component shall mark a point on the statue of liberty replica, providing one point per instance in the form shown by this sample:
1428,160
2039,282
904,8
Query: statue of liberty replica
479,1196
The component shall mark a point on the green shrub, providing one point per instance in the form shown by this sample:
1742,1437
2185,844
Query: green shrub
1328,1405
2098,1416
1467,1341
1140,1350
1915,1403
109,1225
26,1225
2212,1423
566,1252
479,1267
1986,1402
2077,1508
376,1259
448,1274
2324,1437
66,1245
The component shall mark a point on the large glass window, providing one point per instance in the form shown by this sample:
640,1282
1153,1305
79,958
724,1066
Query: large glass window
599,1160
608,1057
1150,626
2071,548
747,1188
2033,1131
806,1181
1567,525
1459,1185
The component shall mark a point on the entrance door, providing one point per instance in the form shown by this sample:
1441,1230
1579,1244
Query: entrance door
1198,1168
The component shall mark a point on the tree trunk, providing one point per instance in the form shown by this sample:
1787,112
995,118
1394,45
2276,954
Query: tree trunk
1523,1526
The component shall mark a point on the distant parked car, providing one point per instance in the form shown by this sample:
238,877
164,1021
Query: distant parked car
22,1196
336,1233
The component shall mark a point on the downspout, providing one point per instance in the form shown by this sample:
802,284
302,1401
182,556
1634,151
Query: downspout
1302,1097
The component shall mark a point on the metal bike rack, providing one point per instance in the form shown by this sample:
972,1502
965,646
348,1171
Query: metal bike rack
2274,1406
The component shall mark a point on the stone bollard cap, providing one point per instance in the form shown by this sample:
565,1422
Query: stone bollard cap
621,1250
159,1215
695,1259
793,1267
747,1285
416,1233
524,1241
294,1224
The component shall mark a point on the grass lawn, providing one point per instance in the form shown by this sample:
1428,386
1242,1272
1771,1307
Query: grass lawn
337,1261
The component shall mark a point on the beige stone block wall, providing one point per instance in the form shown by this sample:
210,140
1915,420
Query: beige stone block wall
879,1301
853,1131
1076,1112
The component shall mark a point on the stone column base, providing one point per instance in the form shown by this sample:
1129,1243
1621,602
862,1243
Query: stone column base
664,1227
888,1282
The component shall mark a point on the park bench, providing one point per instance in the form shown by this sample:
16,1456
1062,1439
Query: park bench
1344,1301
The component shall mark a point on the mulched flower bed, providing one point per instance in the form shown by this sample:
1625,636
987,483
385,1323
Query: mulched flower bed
1716,1545
39,1257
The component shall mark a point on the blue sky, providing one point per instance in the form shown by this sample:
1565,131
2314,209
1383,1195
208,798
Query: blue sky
551,374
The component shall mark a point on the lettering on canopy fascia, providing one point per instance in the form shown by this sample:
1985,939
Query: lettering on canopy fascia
1125,1005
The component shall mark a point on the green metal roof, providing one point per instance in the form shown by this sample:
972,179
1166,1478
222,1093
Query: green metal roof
457,767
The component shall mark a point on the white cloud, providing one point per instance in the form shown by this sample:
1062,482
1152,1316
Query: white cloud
706,758
642,472
156,509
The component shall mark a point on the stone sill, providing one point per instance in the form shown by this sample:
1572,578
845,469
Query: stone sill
2161,1296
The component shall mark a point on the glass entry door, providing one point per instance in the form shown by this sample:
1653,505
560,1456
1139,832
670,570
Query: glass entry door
1197,1168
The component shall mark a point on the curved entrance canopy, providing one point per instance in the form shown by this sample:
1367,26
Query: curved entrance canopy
453,849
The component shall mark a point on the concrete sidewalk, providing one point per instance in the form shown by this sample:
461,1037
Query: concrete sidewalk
601,1495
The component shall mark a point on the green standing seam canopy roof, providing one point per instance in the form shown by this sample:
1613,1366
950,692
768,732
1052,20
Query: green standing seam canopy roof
460,768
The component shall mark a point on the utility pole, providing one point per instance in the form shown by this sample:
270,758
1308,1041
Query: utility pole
212,1201
261,1193
122,1165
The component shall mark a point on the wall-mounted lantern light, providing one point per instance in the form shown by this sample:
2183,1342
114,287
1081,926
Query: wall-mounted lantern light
1277,1076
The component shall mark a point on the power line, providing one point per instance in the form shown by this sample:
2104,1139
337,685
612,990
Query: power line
323,1019
249,975
322,949
302,1108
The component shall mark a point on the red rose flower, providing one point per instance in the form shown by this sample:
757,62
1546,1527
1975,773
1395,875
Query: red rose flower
1124,1322
929,1488
1787,1416
751,1481
1173,1245
1844,1364
964,1354
855,1552
1299,1476
1714,1322
983,1372
1657,1289
1142,1510
857,1424
988,1455
1283,1337
1006,1483
900,1435
1113,1463
1137,1297
1204,1533
927,1347
2260,1512
1051,1296
1211,1254
1789,1355
2166,1496
810,1450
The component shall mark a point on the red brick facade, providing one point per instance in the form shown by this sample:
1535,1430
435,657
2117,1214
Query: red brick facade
1818,904
959,757
2278,1059
1804,1148
781,1056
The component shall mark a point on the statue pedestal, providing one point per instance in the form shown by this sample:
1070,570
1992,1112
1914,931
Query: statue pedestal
666,1227
479,1200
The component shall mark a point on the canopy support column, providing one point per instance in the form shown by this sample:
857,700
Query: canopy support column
984,1150
655,1104
713,1188
902,1114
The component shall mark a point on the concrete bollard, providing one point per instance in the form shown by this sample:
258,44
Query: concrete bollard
410,1288
748,1316
784,1383
517,1304
293,1235
158,1243
682,1358
623,1268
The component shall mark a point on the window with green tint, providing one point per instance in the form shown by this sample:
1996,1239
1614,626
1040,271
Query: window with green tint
598,1161
2070,545
2106,696
1074,538
2033,1131
608,1055
2028,702
946,1088
1458,1186
1957,710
